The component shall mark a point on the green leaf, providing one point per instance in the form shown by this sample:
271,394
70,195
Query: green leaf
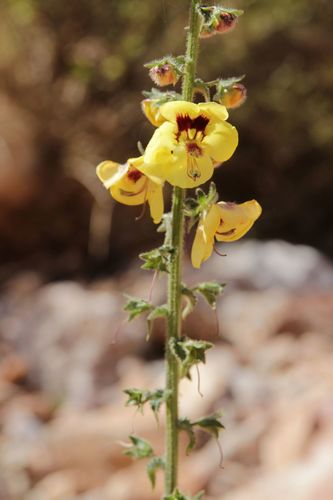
195,207
137,397
191,301
189,352
161,97
136,306
229,82
157,259
210,424
210,290
185,425
158,312
140,448
155,464
157,398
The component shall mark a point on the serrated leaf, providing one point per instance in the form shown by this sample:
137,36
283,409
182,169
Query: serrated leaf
136,306
140,448
157,259
137,397
157,398
161,97
210,290
185,425
191,301
158,312
155,464
177,349
210,424
189,352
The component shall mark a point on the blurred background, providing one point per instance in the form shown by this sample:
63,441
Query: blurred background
71,77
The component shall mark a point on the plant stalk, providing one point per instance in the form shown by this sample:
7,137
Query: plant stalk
175,274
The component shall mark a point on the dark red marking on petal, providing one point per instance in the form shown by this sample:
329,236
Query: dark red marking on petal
134,174
186,123
193,149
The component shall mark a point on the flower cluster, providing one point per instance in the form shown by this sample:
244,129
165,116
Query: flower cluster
190,141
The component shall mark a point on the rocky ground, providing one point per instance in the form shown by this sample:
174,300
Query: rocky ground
67,355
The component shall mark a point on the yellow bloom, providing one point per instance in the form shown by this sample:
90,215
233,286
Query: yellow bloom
152,111
130,186
192,139
225,222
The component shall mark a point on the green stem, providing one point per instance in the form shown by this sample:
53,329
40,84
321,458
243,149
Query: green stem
174,283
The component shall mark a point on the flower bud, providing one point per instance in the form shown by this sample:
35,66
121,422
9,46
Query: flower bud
218,20
163,75
151,110
234,96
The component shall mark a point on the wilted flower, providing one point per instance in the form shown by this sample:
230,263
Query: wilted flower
130,186
224,221
193,138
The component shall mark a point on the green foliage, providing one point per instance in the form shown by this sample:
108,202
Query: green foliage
139,397
210,424
136,306
191,300
161,97
157,259
210,290
184,424
140,448
158,312
155,464
176,62
189,352
194,207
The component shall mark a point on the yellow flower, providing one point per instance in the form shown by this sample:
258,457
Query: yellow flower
192,139
130,186
151,110
225,222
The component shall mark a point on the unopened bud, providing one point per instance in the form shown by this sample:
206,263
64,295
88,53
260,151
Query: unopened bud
163,75
218,20
234,96
151,110
226,23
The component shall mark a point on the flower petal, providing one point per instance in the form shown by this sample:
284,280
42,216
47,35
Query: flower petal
110,172
139,164
170,110
151,110
161,145
204,237
221,141
190,172
130,193
155,200
236,220
214,110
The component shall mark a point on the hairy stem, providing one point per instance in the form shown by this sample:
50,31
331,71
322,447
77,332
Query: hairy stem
174,283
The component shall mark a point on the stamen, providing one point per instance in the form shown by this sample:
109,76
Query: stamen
192,170
219,253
